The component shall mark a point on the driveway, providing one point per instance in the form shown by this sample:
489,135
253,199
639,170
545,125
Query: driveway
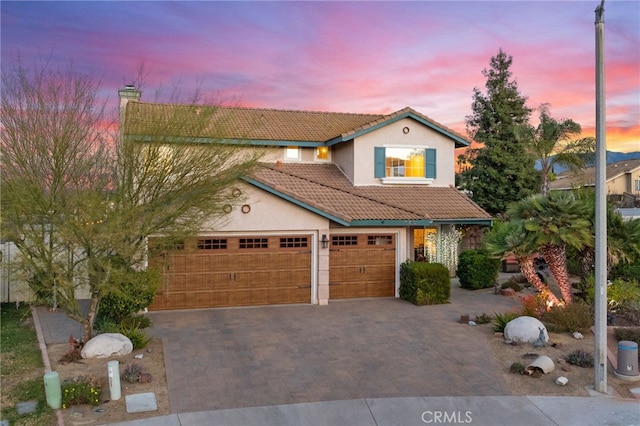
367,348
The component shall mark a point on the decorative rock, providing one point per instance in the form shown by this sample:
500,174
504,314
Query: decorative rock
635,392
563,365
464,319
577,335
138,356
562,381
543,363
106,345
526,329
472,323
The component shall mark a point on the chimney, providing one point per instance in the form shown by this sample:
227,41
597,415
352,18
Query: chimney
129,93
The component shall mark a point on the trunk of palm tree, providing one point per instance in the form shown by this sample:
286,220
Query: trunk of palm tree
529,271
556,257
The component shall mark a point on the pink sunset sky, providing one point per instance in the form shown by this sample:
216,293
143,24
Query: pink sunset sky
362,57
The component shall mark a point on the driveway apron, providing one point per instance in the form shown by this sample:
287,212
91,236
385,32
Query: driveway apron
367,348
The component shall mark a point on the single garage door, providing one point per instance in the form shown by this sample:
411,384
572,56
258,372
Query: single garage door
362,265
238,271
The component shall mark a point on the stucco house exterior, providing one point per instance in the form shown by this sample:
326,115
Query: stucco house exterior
623,182
341,200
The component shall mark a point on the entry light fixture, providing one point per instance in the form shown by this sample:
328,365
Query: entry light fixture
324,241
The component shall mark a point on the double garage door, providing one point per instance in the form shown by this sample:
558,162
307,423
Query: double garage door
268,270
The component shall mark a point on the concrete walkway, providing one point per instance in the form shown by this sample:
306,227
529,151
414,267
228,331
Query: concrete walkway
361,362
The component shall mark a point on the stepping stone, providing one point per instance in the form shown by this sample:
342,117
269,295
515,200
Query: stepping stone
139,402
26,407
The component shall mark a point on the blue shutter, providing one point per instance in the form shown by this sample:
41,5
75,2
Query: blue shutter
379,162
430,163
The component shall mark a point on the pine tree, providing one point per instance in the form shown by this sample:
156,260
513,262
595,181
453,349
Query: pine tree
502,170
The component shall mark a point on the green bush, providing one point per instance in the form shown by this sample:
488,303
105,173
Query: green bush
625,271
574,317
501,320
424,283
137,337
630,334
477,270
131,292
619,294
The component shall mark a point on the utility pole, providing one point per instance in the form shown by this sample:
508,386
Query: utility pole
600,358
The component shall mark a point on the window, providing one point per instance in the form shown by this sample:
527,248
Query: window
253,243
379,240
637,185
405,162
344,240
293,242
292,153
212,244
322,153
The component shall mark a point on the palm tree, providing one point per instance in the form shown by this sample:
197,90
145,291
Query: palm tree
510,238
550,144
553,222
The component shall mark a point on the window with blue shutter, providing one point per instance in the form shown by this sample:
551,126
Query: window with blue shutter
430,163
380,162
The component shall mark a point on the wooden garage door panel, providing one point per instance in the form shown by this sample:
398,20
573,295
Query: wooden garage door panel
226,275
362,266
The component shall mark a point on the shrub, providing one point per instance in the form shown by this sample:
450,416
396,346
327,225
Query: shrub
511,284
619,294
501,320
517,368
631,334
424,283
625,271
137,337
477,270
81,390
131,292
580,358
574,317
483,318
533,305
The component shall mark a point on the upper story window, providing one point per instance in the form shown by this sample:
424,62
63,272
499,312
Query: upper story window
405,163
322,153
292,153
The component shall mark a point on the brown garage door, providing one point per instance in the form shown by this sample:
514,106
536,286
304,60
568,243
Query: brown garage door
362,265
239,271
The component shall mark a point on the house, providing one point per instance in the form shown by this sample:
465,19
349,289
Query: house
342,200
623,182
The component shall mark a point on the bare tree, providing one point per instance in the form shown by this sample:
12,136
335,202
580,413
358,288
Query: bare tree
80,198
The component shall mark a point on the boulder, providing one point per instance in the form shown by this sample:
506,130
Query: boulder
526,330
106,345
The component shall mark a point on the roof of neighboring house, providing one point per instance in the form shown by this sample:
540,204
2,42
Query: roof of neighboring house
196,123
587,176
325,190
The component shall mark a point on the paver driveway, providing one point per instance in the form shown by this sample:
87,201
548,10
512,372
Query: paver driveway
371,348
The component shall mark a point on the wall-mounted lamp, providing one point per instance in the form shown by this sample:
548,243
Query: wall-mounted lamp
324,241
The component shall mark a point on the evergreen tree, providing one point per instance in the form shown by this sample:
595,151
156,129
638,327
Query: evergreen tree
502,170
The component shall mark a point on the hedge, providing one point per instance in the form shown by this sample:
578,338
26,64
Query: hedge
424,283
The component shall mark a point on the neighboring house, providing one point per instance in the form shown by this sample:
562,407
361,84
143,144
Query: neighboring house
341,202
623,182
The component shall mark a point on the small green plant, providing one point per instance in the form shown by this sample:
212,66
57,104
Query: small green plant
483,318
517,368
132,373
81,390
574,317
501,320
580,358
137,337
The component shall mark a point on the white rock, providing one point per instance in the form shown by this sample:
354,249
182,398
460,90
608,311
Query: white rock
562,381
526,330
577,335
472,323
138,356
106,345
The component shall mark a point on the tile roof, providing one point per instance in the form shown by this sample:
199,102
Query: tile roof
325,188
218,122
587,176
